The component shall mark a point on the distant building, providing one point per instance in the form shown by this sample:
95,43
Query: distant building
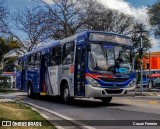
11,78
155,60
151,61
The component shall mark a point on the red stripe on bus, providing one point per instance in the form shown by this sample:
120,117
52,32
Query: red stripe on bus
96,76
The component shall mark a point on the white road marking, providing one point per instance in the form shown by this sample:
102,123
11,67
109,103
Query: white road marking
46,117
43,115
59,115
33,109
58,127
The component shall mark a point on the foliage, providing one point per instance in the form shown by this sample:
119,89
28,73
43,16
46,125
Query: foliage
3,81
136,37
98,17
65,16
6,24
7,47
63,19
4,14
3,48
34,23
9,63
154,17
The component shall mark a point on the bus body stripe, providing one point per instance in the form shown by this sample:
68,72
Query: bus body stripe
96,76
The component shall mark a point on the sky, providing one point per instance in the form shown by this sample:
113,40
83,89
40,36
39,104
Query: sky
138,3
136,8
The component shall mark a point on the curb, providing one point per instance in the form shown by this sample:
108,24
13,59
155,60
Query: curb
41,114
44,116
153,93
59,115
6,100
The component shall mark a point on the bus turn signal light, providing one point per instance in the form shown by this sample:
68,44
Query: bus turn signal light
71,70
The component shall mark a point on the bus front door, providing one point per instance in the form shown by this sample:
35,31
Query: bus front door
80,71
43,70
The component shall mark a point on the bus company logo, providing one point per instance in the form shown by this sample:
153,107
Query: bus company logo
52,73
114,85
65,69
6,123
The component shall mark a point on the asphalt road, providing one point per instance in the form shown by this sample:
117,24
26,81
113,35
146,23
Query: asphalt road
125,109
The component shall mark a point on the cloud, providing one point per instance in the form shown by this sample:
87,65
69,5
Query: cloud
156,44
140,14
48,1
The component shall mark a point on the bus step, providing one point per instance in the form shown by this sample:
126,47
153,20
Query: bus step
43,93
79,96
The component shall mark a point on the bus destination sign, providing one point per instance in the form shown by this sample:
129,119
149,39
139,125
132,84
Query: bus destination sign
110,38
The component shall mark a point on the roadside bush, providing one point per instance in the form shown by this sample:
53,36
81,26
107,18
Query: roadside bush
3,82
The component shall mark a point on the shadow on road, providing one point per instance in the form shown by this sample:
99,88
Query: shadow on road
86,103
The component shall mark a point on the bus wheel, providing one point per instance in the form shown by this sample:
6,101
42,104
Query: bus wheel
65,93
106,100
30,90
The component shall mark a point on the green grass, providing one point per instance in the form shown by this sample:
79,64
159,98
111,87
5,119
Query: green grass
5,91
16,111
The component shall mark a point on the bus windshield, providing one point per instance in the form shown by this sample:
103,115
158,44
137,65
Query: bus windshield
109,59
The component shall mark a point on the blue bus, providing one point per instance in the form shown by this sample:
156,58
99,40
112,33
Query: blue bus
91,64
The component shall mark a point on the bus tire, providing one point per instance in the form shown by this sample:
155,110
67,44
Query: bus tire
30,90
106,100
65,93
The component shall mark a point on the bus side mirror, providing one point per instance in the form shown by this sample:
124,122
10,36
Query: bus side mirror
88,47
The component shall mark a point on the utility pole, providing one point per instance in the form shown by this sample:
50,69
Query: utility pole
141,31
150,85
141,46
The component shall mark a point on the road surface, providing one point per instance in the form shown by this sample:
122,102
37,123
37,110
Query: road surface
125,109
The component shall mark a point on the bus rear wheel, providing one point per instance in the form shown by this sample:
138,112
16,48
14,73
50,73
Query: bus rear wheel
30,90
65,93
106,100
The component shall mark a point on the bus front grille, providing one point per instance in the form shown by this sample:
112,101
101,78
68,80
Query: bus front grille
114,91
113,79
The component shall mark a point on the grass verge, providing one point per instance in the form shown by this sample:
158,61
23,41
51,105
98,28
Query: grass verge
5,90
15,111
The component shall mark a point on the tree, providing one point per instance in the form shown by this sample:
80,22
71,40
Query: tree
154,17
98,17
6,30
71,16
7,47
94,16
65,17
4,13
35,24
136,37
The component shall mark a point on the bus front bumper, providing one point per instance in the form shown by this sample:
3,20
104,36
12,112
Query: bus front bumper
91,91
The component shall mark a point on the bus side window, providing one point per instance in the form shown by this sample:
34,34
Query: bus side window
68,53
83,57
37,59
56,56
31,61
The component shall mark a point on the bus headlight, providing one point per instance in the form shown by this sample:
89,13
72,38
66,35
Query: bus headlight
93,82
131,84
